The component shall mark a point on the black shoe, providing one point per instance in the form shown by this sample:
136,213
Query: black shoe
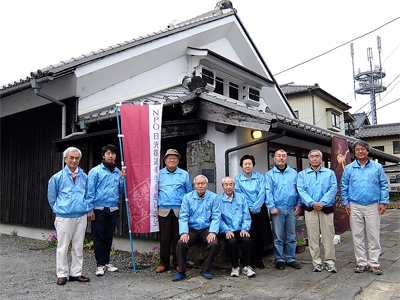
260,264
280,265
293,264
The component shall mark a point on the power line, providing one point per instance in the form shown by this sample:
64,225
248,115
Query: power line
336,47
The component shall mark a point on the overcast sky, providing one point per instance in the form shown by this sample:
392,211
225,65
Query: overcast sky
35,34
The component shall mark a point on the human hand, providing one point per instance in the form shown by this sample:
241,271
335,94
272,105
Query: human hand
297,210
317,205
244,233
91,216
347,210
185,237
229,234
274,211
382,209
210,237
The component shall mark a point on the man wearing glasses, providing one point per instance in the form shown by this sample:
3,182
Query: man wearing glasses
365,194
173,184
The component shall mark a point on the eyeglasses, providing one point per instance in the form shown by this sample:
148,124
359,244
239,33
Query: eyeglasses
360,149
200,183
171,158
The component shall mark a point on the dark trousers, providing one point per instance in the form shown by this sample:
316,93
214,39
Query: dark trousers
196,236
169,234
103,227
232,246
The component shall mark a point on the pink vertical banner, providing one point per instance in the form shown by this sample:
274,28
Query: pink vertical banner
340,157
141,130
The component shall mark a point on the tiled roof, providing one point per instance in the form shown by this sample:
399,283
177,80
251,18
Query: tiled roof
291,89
361,118
383,130
177,94
222,9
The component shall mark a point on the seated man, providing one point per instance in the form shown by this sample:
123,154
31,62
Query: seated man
199,219
234,226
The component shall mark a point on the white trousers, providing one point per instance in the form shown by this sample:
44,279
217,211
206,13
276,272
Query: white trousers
70,229
365,223
318,223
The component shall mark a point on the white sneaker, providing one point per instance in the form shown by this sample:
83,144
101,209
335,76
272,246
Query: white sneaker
110,268
100,271
235,272
331,268
248,271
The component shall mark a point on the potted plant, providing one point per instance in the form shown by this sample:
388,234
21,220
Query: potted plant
301,241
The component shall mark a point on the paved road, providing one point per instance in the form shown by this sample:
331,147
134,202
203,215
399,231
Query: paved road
27,272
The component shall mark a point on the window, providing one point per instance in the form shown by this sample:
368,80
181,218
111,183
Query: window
254,94
233,91
207,76
335,120
219,86
396,147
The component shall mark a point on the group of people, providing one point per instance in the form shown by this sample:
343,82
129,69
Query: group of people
76,197
241,216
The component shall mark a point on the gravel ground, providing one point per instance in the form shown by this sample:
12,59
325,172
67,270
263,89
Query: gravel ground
27,271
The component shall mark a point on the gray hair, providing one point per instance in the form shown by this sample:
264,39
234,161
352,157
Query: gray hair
72,149
279,150
199,176
227,177
315,150
362,144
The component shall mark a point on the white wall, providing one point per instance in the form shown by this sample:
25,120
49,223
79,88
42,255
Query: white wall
224,141
122,244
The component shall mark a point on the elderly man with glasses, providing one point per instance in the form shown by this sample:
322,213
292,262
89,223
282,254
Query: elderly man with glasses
364,194
173,184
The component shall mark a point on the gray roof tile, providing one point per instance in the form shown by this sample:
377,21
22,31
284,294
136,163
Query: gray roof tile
383,130
208,16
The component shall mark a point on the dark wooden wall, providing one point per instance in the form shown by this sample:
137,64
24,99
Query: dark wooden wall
28,160
31,152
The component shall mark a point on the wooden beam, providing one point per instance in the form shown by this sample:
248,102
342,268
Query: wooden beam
215,113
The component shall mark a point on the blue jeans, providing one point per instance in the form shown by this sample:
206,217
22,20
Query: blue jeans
103,230
284,222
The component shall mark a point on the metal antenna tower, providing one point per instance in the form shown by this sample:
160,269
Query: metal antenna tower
369,82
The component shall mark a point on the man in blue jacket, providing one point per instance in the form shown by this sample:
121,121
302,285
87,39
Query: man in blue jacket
199,219
234,227
105,184
66,195
365,194
173,184
284,205
317,187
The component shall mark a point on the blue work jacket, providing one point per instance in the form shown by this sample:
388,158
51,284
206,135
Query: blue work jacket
235,216
281,189
104,187
197,213
364,186
66,198
317,187
253,190
172,187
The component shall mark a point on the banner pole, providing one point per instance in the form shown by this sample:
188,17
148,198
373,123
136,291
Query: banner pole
124,179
